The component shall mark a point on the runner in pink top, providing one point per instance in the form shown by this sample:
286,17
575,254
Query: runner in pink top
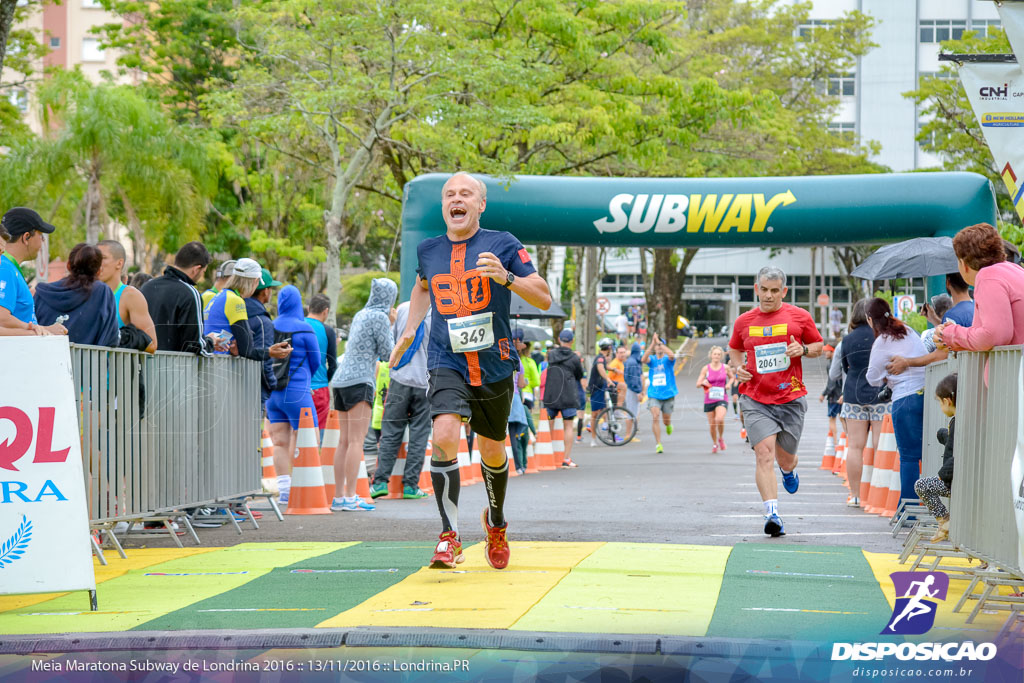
714,377
998,293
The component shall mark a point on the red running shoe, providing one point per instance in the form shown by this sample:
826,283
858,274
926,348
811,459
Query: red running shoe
496,551
448,552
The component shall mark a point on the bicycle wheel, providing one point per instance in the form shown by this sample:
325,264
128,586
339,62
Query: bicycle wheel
615,426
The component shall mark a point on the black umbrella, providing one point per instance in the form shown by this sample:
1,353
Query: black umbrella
919,257
521,309
531,333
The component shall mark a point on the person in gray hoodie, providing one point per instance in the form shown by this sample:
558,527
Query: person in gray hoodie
369,340
406,406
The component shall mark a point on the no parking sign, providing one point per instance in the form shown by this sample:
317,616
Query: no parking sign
904,303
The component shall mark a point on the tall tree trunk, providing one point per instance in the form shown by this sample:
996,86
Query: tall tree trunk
590,290
347,177
93,204
545,252
846,260
577,294
7,8
667,287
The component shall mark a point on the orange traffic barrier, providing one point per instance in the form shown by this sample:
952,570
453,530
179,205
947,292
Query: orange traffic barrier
865,474
307,494
332,434
885,455
267,457
829,458
395,485
544,450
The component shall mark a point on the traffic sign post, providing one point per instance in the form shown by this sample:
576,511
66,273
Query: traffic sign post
604,306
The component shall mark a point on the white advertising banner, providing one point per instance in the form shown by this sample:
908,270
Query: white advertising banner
996,92
44,522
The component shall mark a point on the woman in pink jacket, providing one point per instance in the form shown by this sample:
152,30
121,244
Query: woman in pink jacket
998,293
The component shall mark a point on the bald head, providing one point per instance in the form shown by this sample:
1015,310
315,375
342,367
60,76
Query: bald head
463,174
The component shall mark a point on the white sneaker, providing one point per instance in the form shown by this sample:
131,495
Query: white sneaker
592,443
853,502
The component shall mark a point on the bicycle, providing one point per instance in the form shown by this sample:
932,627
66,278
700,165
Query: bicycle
615,425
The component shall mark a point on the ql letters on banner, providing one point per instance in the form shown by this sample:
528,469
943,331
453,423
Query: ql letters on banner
44,523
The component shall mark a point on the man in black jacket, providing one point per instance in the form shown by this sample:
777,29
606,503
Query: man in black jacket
562,388
174,303
262,328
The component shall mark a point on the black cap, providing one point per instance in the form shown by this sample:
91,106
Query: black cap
20,220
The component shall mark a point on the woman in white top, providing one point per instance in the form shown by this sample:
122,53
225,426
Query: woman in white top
893,338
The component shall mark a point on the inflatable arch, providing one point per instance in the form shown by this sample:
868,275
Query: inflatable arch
709,212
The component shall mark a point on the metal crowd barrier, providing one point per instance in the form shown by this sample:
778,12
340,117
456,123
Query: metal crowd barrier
981,505
166,431
934,419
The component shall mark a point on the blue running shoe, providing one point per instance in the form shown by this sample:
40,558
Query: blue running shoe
791,481
773,526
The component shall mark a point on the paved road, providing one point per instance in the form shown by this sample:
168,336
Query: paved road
686,495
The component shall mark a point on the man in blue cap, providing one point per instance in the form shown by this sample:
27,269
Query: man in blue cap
25,228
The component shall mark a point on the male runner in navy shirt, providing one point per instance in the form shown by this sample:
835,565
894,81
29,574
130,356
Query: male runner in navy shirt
466,277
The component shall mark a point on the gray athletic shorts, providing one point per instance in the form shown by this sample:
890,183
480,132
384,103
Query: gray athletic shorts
665,405
632,402
786,420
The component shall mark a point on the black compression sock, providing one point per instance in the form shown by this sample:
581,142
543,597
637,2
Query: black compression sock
445,478
496,482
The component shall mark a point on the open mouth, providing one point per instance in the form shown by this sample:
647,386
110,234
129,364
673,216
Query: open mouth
457,212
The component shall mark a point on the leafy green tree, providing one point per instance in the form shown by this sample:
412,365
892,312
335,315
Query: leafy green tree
355,292
184,48
132,160
19,48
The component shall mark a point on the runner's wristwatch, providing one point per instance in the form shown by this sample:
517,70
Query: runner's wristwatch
806,350
509,279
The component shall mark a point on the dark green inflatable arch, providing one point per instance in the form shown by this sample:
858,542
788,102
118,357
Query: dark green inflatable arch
712,212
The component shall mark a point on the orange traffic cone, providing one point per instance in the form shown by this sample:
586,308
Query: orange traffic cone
544,450
267,457
330,444
531,458
465,460
475,462
425,482
885,456
866,471
508,455
395,485
307,495
363,482
829,458
558,441
837,466
892,498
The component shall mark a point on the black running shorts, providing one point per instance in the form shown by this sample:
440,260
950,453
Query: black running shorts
347,398
485,407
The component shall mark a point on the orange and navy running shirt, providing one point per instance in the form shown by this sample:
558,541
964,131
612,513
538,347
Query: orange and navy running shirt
458,289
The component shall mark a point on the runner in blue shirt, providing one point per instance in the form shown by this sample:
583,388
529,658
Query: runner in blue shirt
661,386
24,230
466,276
